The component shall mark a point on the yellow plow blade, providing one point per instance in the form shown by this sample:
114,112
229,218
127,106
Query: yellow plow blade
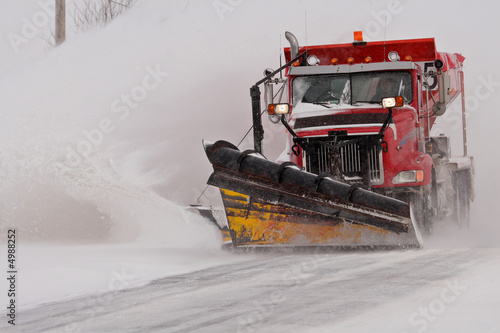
270,204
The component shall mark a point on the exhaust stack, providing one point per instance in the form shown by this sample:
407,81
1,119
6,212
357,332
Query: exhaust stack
294,43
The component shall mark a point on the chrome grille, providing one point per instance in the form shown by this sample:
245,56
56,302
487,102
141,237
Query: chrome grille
350,160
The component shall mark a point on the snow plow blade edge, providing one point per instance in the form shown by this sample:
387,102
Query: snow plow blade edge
267,203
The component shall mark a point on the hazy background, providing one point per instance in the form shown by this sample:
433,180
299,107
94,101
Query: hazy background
208,54
100,138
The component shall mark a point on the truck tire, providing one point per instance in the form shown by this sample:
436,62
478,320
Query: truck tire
462,198
420,203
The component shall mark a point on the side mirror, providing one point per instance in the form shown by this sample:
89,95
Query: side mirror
439,107
444,88
268,94
268,101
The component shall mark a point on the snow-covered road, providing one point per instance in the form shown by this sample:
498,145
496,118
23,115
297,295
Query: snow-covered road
427,290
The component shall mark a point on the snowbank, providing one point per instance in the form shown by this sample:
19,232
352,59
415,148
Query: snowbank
89,129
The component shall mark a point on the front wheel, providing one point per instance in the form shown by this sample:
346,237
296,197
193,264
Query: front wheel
421,208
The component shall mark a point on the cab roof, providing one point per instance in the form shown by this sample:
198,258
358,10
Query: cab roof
423,49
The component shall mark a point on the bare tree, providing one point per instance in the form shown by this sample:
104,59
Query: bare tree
99,12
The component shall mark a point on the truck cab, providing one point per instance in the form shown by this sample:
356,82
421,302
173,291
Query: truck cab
339,126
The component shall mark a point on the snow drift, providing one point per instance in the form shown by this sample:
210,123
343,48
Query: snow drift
90,128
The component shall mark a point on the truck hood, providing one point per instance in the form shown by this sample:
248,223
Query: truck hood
366,116
313,115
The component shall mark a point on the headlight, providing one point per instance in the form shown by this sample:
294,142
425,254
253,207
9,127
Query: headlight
282,108
411,176
391,102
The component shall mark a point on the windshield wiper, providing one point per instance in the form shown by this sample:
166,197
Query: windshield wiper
325,104
369,102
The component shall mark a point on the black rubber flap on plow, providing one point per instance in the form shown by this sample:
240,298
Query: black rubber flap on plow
251,174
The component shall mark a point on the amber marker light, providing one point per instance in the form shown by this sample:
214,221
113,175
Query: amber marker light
335,61
358,36
368,60
420,176
408,58
350,60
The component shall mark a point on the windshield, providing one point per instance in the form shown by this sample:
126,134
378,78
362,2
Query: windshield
351,89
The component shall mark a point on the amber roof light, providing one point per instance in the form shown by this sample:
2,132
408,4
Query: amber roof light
358,36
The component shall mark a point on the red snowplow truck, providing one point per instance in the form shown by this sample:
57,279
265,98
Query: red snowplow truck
361,166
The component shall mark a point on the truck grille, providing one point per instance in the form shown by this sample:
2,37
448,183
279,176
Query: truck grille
320,159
